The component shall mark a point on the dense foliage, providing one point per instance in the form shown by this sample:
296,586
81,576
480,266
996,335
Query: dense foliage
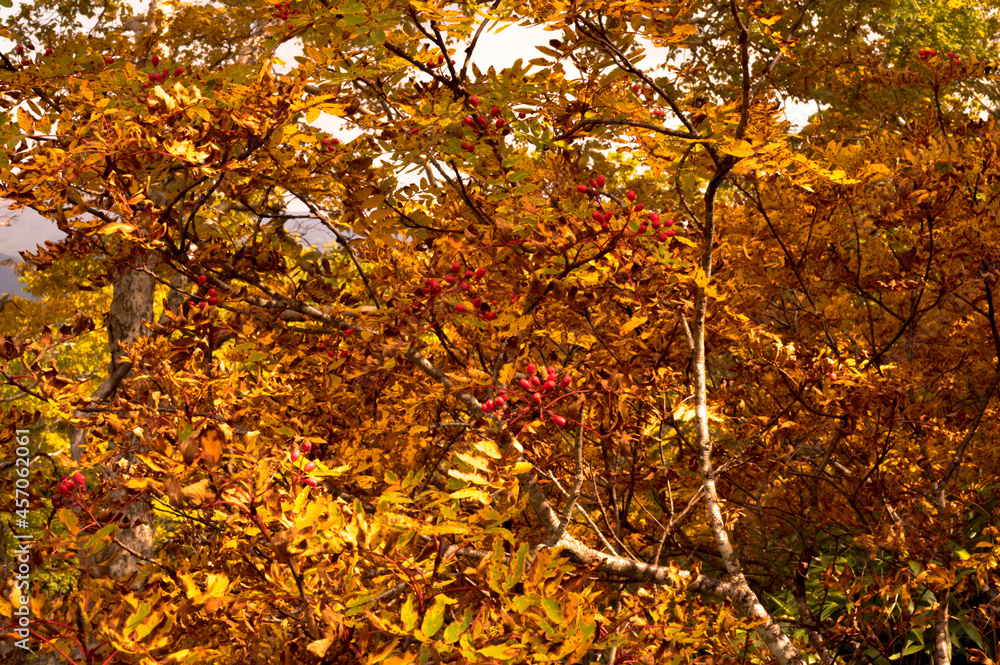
608,362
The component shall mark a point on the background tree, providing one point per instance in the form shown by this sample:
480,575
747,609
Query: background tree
485,426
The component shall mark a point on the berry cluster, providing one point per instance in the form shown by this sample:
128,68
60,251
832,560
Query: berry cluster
928,53
20,50
459,283
207,297
160,77
301,466
541,382
71,484
440,61
606,218
283,10
328,144
479,124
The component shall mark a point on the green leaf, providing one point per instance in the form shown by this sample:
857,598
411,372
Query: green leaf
456,629
434,617
516,567
973,634
502,651
101,539
408,613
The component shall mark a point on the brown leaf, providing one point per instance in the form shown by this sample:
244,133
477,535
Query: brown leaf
199,493
191,447
212,442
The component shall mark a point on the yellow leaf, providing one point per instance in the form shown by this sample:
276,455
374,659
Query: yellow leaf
632,324
521,467
117,227
319,647
474,478
737,149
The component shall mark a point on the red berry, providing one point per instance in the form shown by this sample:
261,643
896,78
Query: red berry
48,51
565,382
79,479
654,216
460,309
480,272
488,405
26,62
321,345
530,368
600,181
415,131
335,141
551,371
295,455
440,58
311,482
657,112
455,267
306,446
639,207
642,229
495,111
535,382
203,305
201,280
524,383
481,119
178,71
548,385
474,101
155,61
630,195
500,401
211,292
108,60
309,467
559,421
476,301
20,50
668,221
450,279
490,316
469,121
522,115
536,398
213,301
598,217
581,188
500,123
349,331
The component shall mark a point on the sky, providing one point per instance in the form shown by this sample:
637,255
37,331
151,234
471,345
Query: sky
23,229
